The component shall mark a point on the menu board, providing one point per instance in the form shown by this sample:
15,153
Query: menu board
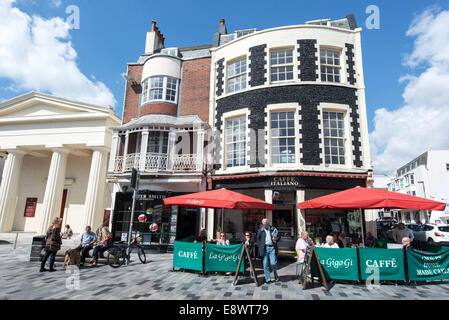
173,223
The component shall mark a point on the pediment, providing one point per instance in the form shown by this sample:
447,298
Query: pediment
40,106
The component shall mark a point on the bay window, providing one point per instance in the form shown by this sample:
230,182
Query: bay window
159,88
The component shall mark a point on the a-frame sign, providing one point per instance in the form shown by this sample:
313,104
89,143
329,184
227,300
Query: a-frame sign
303,277
251,267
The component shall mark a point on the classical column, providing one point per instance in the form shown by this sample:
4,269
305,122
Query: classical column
53,191
301,221
143,149
171,149
9,189
93,206
200,150
113,155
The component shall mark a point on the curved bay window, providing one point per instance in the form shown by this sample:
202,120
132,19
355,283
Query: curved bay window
160,88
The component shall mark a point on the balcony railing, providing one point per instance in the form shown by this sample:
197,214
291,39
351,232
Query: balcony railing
132,161
185,162
157,162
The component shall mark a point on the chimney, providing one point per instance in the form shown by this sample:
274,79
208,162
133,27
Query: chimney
220,30
155,39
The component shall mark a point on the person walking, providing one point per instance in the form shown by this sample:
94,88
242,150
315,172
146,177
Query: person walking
267,239
52,244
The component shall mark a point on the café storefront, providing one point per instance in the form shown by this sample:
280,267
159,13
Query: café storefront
285,190
159,225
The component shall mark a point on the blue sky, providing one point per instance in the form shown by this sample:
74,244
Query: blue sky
112,33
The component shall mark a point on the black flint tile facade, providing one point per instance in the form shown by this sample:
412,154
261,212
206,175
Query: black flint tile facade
307,60
257,65
220,76
350,63
308,97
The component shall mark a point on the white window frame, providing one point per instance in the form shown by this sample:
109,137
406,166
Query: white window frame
283,65
146,90
237,75
227,144
229,115
283,107
326,65
341,108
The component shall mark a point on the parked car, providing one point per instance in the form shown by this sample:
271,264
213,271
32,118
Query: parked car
433,233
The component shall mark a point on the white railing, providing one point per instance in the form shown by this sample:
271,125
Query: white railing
131,161
156,161
185,162
118,164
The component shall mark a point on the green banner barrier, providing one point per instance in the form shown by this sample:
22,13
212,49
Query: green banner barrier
381,264
339,264
223,258
187,255
431,266
428,248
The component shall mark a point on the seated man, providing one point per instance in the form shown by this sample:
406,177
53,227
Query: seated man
88,239
406,242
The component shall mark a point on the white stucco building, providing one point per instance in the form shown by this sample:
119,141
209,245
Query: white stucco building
56,154
426,176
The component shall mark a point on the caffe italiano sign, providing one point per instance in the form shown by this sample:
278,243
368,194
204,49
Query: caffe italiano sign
284,183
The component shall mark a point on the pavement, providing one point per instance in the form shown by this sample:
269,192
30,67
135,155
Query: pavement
155,280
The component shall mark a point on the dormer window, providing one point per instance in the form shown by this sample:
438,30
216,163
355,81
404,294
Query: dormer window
160,88
170,51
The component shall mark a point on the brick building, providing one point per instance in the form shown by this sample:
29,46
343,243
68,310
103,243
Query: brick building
165,121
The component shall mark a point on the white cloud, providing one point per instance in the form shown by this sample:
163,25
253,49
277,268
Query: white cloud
422,123
36,54
55,3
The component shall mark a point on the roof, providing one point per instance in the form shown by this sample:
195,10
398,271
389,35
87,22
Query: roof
162,119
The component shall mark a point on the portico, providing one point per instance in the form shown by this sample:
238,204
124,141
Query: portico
56,158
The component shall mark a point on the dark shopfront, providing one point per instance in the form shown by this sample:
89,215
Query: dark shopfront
162,225
284,191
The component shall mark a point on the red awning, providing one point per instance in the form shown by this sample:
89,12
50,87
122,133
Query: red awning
220,198
368,198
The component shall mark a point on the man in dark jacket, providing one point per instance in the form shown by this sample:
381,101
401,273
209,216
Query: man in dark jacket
267,239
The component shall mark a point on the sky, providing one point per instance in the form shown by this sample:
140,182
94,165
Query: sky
406,60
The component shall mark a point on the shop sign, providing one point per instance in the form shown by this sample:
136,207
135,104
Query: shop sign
423,267
150,196
188,255
223,258
338,264
381,264
284,183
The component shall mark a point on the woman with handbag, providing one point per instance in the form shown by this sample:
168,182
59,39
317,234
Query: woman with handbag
52,244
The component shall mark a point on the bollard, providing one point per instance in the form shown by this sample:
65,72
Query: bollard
15,241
